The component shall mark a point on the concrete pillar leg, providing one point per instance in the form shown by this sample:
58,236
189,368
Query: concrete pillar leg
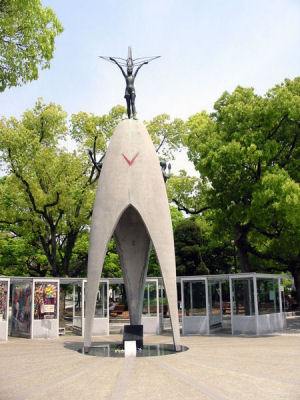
170,287
168,271
99,239
159,227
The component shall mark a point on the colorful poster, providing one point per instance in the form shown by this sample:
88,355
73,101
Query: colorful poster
45,300
21,309
3,300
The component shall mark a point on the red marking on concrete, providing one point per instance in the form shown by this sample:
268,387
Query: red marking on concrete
130,162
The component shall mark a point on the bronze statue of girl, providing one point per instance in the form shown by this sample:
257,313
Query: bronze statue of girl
130,77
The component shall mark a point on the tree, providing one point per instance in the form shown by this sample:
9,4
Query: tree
187,240
27,34
166,135
190,194
47,197
153,267
112,267
19,257
248,149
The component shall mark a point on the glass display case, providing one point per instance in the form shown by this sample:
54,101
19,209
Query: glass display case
45,308
4,301
256,304
243,296
150,300
21,309
101,317
150,311
77,309
268,296
215,304
194,298
45,300
195,308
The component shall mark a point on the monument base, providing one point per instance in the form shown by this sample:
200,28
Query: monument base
133,333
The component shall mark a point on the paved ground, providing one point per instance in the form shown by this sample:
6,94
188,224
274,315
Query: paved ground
218,367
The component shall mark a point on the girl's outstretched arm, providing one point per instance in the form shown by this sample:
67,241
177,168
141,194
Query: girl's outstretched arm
116,62
139,67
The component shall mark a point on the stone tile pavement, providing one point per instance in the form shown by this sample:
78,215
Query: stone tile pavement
216,367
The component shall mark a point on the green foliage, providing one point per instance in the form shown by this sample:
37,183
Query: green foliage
187,239
191,195
248,149
19,257
176,216
188,193
166,135
27,35
153,267
216,245
48,195
93,131
111,267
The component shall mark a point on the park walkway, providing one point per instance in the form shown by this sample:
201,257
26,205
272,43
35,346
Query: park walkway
216,367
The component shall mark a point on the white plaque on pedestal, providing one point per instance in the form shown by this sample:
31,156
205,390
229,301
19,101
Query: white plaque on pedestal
130,348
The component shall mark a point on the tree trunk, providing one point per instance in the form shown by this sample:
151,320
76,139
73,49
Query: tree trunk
243,257
70,243
62,299
53,253
242,246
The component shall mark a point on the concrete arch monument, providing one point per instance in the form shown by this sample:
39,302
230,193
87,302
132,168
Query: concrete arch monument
131,204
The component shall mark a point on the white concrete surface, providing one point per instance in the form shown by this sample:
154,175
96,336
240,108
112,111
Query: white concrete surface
260,324
196,324
3,330
45,328
100,326
131,202
151,325
269,323
243,324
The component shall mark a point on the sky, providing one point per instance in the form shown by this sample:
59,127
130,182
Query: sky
206,47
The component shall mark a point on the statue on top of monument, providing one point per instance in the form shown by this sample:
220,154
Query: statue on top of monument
130,76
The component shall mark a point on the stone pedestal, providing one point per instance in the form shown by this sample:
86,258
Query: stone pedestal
133,333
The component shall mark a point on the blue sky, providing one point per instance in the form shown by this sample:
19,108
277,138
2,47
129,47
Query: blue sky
207,47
